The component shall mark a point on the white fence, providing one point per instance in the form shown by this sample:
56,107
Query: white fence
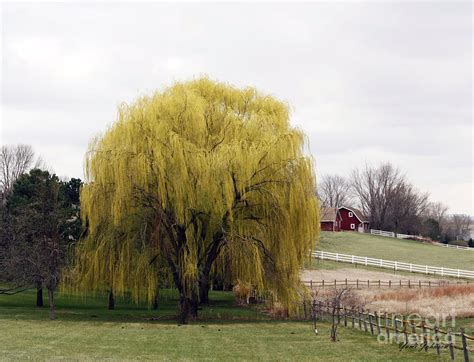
390,234
406,236
453,246
394,265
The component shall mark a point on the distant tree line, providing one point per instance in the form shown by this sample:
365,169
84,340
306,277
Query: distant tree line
39,220
393,203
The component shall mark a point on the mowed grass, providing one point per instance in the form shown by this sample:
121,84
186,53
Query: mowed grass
85,329
409,251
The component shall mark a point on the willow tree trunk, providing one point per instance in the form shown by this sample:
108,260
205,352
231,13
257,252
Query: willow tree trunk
185,309
203,276
155,298
111,300
204,289
184,299
39,296
52,310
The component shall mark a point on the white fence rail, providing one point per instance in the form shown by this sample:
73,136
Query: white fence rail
390,234
382,233
453,246
406,236
394,265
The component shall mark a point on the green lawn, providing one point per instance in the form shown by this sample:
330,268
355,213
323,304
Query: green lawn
85,329
409,251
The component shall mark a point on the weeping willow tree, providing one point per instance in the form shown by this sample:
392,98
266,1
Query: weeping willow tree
197,179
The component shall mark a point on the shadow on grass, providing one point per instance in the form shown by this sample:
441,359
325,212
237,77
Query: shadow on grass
93,309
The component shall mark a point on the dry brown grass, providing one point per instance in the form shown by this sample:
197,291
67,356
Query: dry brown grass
406,295
452,300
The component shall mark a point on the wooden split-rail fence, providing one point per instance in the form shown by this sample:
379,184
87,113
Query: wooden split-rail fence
360,283
395,328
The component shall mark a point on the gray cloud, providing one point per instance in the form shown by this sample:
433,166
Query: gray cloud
367,81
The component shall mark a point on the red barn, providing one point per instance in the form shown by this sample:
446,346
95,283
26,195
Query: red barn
353,220
330,219
343,218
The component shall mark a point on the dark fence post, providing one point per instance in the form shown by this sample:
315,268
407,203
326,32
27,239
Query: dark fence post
451,346
438,352
364,320
425,336
413,332
464,346
377,323
395,327
405,334
370,323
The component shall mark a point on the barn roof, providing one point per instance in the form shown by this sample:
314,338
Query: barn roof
328,214
359,214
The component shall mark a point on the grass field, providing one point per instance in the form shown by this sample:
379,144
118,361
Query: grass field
85,329
409,251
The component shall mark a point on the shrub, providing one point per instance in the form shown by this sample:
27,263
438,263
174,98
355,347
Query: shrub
458,242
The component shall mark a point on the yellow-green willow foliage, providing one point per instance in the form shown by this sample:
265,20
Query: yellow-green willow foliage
200,178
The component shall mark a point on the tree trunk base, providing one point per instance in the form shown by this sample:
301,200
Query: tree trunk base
52,310
39,297
111,305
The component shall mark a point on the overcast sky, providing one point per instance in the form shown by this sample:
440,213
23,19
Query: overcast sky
368,82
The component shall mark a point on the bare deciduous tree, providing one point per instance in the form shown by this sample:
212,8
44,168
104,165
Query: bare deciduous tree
334,191
333,302
375,189
388,199
15,160
437,211
460,224
407,206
